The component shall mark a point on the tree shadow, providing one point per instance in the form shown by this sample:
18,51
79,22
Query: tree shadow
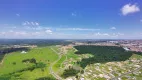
16,75
103,54
46,78
12,76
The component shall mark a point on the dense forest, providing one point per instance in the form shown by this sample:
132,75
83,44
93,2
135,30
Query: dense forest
103,54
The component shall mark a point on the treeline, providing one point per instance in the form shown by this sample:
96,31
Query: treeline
33,60
70,72
46,78
103,54
14,75
31,68
9,50
1,57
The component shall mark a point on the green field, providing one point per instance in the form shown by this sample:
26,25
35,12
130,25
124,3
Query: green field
59,65
71,54
44,55
50,59
13,68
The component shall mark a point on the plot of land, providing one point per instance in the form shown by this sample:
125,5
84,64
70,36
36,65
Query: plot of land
45,55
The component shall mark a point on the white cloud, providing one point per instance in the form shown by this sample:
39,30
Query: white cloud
49,31
77,29
108,34
18,15
101,34
32,23
3,33
24,23
129,8
11,31
113,28
73,14
27,23
141,20
116,34
36,23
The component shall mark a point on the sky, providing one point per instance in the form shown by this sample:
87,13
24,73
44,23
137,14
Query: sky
71,19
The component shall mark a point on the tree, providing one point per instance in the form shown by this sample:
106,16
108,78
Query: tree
14,63
33,60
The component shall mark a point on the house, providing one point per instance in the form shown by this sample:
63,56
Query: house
23,52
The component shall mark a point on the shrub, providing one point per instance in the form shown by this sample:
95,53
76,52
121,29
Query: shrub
69,72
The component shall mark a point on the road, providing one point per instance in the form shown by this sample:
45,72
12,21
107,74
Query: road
51,70
116,78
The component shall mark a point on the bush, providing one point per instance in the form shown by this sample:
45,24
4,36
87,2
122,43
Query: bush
33,60
69,72
14,63
46,78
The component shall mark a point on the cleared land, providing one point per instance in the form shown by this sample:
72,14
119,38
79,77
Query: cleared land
88,62
13,63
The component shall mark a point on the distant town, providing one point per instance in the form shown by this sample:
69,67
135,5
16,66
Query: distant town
128,45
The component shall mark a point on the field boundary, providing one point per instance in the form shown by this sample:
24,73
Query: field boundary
2,60
51,70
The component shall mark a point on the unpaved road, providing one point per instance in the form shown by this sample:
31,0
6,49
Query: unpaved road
51,70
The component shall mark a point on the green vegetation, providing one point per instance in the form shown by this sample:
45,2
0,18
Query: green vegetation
71,54
1,57
31,65
46,78
39,63
102,54
33,60
69,72
58,64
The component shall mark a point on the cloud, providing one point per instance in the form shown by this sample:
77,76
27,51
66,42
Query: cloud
32,23
27,23
108,34
77,29
113,28
49,31
129,8
18,15
36,23
101,34
74,14
116,34
141,20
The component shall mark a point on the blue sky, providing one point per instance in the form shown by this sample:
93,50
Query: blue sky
71,19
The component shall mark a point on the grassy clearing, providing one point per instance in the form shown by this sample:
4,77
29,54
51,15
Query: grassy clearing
44,54
136,56
58,65
71,54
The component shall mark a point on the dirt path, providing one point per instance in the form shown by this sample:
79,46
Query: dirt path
51,70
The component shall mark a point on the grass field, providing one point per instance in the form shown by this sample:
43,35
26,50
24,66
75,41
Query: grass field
58,65
71,54
45,55
54,60
13,63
